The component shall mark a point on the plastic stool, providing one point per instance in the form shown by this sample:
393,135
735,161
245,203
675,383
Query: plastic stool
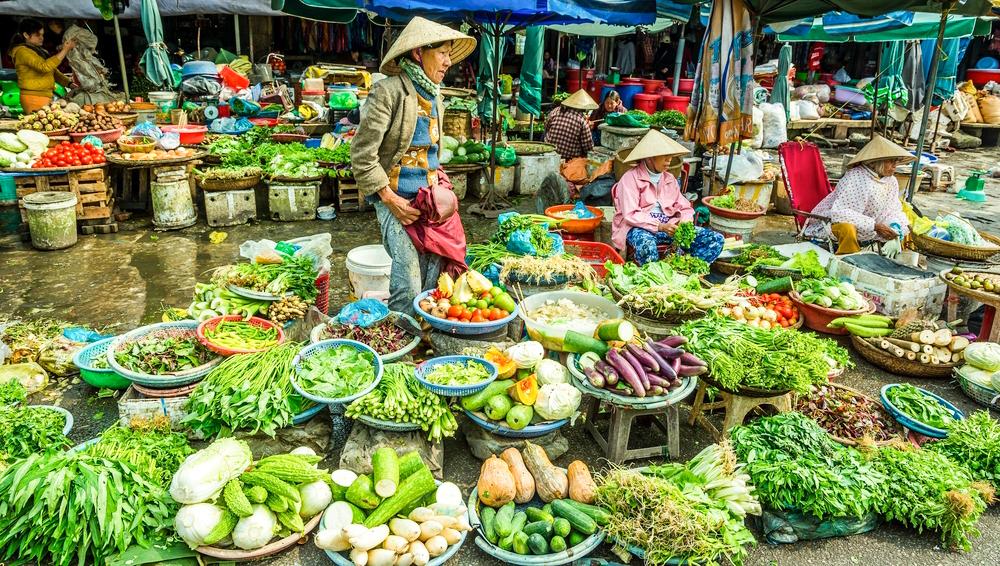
942,176
615,446
736,406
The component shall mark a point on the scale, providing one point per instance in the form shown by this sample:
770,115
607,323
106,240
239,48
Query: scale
974,186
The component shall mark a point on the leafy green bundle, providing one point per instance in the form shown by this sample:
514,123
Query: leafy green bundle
147,446
26,430
155,354
974,443
399,397
296,275
338,372
11,391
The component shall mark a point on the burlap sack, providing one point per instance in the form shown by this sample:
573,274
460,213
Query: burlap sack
973,114
989,106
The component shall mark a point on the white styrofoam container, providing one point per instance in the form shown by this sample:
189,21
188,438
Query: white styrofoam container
893,296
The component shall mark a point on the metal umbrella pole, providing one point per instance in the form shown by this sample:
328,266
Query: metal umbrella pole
236,25
121,57
878,79
555,81
925,117
679,59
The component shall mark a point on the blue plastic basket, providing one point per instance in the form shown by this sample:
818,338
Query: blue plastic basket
915,425
461,328
313,349
66,415
530,431
455,390
167,381
307,414
98,377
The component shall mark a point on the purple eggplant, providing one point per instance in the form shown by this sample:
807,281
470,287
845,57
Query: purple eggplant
675,364
649,350
689,359
674,385
656,390
611,378
626,372
690,371
656,379
649,362
667,352
673,341
639,370
595,377
603,367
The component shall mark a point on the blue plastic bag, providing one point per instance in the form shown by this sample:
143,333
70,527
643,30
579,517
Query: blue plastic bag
81,334
581,211
520,243
363,313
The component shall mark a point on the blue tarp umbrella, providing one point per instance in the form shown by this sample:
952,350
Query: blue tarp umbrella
529,98
155,61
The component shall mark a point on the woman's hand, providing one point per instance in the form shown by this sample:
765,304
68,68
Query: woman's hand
669,227
68,45
399,207
886,232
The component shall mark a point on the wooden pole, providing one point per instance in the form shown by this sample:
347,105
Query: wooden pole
555,85
678,60
236,25
121,57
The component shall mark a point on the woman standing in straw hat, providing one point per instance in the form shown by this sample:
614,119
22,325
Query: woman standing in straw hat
865,207
649,205
395,155
568,128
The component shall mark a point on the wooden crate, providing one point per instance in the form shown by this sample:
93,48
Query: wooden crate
93,200
349,197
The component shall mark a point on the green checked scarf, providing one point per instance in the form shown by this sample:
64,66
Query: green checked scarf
419,77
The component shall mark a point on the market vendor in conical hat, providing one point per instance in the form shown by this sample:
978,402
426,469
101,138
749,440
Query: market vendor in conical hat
395,158
865,206
568,126
649,206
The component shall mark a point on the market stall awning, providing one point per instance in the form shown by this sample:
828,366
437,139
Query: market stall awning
604,30
840,23
923,26
518,12
340,11
86,9
771,11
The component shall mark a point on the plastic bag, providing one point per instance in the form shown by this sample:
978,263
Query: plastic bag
56,356
786,527
520,243
841,76
169,140
81,334
747,166
363,313
506,156
317,246
774,126
821,92
32,376
243,107
201,85
581,211
147,129
808,110
758,128
623,120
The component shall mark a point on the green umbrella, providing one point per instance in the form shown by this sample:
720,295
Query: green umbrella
891,88
530,98
781,94
155,61
490,60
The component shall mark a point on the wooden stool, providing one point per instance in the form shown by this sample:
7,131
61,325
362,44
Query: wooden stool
736,406
615,446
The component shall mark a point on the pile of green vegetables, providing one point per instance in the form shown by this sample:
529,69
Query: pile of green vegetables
676,513
60,508
162,353
740,355
671,119
795,465
922,408
536,225
228,173
26,430
657,289
754,256
241,335
973,443
247,392
829,293
12,392
337,372
211,300
457,373
147,445
687,264
684,235
400,398
295,275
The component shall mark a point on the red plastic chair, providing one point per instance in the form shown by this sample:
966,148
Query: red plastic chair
805,180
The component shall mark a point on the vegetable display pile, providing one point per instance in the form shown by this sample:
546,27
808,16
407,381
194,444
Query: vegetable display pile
740,355
974,443
764,310
20,150
795,465
50,118
61,508
211,300
671,119
69,154
470,298
163,353
830,293
926,490
684,235
384,336
146,445
457,373
658,290
687,264
295,275
534,224
546,269
642,368
927,342
400,398
250,392
984,282
241,335
846,414
12,392
229,173
26,430
394,515
730,202
920,407
335,373
222,501
691,513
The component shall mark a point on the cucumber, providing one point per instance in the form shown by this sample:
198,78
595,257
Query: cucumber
521,544
536,514
487,516
616,329
780,285
557,544
562,527
598,514
410,463
581,344
537,544
477,401
362,494
575,538
520,518
507,543
504,524
577,518
548,509
543,528
385,469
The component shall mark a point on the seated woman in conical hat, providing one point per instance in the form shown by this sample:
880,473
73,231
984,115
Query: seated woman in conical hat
865,206
649,205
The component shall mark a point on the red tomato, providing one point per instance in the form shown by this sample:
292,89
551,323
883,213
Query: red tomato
453,319
87,160
466,316
478,317
454,311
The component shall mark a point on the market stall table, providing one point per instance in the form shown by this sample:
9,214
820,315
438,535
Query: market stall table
737,407
841,127
990,331
988,133
134,176
89,183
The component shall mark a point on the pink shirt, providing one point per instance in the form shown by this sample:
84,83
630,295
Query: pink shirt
636,197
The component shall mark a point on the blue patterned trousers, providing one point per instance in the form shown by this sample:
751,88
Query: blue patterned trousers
707,244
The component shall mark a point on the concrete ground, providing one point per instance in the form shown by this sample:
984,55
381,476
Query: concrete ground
125,280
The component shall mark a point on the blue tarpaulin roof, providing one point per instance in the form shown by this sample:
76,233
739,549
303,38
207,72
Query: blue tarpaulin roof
518,12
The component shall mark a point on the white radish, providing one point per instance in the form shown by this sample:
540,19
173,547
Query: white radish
420,554
405,528
405,559
449,509
332,539
343,478
359,557
436,545
421,514
370,539
338,515
381,557
448,492
451,536
395,543
430,529
447,521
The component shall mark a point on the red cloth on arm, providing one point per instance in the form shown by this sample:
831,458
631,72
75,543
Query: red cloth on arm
431,235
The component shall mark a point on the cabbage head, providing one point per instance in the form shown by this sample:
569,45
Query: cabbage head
203,474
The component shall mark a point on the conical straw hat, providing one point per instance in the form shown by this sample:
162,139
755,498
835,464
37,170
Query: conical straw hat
654,144
880,148
580,100
421,32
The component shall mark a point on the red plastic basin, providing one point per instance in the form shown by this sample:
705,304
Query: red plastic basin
685,86
678,103
651,86
645,102
980,77
190,135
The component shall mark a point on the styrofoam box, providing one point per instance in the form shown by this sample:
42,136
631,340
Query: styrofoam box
893,296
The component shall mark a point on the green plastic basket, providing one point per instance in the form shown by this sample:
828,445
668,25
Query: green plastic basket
100,378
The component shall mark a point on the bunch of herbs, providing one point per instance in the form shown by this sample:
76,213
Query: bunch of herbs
12,392
337,372
147,445
974,443
162,354
27,429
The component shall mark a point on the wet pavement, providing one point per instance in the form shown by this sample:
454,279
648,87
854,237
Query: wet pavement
124,280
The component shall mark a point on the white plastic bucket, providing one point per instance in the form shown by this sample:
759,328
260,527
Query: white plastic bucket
165,101
368,269
733,227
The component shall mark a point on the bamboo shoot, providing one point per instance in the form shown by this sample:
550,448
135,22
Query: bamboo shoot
905,344
935,360
958,343
927,349
943,354
942,337
924,358
957,357
923,337
911,355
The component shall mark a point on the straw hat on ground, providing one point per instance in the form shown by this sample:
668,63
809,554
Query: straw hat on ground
580,100
654,144
880,148
421,32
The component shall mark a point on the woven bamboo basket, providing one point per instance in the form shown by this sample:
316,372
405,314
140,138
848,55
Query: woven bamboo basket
900,366
978,393
984,297
885,414
228,184
457,123
744,391
647,319
727,268
952,250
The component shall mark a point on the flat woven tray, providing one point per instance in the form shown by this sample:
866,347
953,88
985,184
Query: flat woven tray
957,251
727,268
228,184
888,417
743,391
900,366
135,163
984,297
271,549
531,148
463,167
982,395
